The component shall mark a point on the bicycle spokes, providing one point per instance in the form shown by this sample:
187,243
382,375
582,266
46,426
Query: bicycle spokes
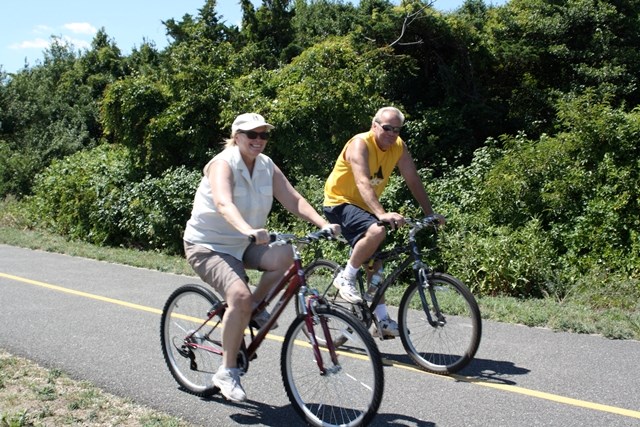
441,336
348,390
191,342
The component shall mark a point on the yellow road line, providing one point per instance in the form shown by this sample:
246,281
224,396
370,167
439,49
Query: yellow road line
484,383
524,391
82,294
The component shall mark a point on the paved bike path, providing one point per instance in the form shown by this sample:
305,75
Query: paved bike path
99,322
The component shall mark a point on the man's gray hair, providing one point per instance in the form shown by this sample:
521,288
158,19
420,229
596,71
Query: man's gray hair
380,112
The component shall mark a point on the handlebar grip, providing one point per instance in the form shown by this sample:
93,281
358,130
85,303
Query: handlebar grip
272,238
432,220
386,224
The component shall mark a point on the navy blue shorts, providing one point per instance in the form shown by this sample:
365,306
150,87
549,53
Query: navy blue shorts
354,221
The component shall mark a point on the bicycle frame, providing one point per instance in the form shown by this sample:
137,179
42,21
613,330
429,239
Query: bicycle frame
439,321
413,257
293,282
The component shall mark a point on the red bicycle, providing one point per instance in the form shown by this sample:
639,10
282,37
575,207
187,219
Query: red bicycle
326,386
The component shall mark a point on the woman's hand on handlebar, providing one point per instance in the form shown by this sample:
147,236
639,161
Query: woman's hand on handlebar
260,236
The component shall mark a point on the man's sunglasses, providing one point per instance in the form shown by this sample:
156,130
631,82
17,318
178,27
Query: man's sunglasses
252,134
389,128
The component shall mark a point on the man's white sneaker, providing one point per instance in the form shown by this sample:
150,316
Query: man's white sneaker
228,381
347,289
389,328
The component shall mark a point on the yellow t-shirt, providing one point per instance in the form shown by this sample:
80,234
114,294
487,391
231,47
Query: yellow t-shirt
341,185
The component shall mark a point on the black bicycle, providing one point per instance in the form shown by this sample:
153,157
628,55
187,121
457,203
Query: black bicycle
326,386
439,319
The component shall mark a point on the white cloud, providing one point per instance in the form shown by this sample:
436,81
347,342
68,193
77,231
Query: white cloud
40,43
80,28
31,44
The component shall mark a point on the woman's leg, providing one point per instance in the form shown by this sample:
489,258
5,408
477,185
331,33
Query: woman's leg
273,262
236,318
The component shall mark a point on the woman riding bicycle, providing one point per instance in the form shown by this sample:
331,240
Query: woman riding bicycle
231,204
351,198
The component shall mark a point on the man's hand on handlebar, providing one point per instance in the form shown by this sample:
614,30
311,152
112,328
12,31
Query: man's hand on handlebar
437,217
392,219
334,229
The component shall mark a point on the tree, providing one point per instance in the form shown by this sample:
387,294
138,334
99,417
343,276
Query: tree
49,113
167,117
318,101
207,25
315,21
544,49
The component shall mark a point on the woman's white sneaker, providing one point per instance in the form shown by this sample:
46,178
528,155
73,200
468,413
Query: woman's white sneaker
228,381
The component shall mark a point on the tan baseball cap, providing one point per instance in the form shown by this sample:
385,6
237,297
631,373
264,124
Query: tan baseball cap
249,121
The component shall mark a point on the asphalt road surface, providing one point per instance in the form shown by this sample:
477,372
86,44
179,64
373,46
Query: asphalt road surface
99,322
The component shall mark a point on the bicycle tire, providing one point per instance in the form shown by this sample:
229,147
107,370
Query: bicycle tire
350,392
449,347
193,368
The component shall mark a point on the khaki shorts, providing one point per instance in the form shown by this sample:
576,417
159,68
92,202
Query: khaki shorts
220,270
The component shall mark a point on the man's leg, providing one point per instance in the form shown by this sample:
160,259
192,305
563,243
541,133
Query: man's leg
363,251
364,248
367,245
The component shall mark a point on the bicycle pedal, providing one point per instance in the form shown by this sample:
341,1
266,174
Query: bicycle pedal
254,357
377,333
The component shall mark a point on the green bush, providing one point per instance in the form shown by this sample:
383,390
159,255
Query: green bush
69,196
16,170
502,261
153,213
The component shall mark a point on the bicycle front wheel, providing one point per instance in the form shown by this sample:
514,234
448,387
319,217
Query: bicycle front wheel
446,340
349,391
192,348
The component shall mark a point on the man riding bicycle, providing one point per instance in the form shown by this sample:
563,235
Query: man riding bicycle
352,199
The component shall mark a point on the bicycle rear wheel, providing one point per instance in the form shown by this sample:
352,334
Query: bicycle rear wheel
192,357
320,274
450,345
349,392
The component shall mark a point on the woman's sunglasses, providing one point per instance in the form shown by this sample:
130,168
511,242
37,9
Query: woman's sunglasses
252,134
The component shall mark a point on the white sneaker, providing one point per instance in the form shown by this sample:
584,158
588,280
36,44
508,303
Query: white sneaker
228,381
347,289
389,328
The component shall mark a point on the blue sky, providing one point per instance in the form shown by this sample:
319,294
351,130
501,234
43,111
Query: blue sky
26,26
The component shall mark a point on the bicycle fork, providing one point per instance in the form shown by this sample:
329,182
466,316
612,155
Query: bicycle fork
312,318
423,282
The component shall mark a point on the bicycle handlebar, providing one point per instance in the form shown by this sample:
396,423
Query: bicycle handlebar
428,221
276,239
